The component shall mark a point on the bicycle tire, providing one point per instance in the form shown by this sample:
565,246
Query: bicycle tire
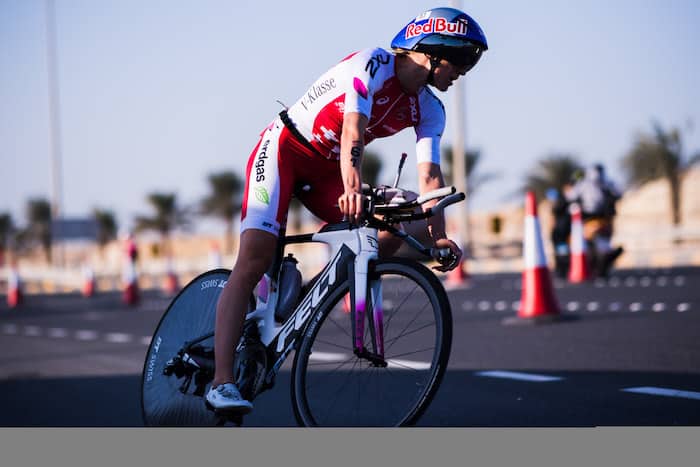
413,298
190,314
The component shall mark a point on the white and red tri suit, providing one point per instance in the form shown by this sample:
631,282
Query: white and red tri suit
363,82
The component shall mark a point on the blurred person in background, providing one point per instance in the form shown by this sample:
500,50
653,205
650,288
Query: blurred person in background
561,229
597,195
319,142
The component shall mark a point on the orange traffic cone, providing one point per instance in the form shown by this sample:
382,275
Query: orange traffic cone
170,284
88,289
537,302
131,294
458,276
15,297
578,266
214,255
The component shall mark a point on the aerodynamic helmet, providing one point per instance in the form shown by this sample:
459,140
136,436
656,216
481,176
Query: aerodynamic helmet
444,33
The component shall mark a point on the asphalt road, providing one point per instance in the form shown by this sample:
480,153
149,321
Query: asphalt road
631,357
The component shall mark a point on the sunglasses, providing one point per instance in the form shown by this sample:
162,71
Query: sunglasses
463,58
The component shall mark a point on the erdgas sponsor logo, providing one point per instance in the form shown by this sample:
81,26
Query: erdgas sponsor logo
437,25
317,90
261,194
260,162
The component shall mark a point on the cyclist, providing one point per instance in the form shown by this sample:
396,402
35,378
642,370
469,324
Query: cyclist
561,230
598,195
319,142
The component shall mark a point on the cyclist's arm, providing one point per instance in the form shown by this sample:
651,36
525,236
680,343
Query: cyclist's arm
430,178
351,149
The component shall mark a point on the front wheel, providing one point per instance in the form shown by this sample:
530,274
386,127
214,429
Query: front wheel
331,386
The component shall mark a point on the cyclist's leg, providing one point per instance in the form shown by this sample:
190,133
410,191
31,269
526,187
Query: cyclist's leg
256,252
388,244
325,187
324,179
265,203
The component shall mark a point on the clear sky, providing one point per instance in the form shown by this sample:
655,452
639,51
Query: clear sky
157,94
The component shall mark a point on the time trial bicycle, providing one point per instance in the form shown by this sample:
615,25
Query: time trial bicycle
371,336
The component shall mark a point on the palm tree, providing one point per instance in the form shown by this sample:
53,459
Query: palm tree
224,201
168,217
554,171
471,162
39,228
6,229
106,226
659,155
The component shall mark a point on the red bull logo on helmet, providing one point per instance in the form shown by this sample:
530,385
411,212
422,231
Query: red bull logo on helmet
437,25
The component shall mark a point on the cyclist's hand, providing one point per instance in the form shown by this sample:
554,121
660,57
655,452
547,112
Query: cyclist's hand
447,253
350,204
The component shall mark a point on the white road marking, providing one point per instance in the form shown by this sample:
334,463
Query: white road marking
484,305
86,335
654,391
468,305
683,307
614,306
501,305
658,307
10,329
679,281
515,306
32,331
593,306
146,340
395,363
645,281
118,338
328,357
635,307
572,306
57,333
519,376
399,364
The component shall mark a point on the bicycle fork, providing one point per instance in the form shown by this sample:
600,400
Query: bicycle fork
366,296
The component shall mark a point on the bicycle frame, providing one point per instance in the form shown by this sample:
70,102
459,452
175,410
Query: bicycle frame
352,249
